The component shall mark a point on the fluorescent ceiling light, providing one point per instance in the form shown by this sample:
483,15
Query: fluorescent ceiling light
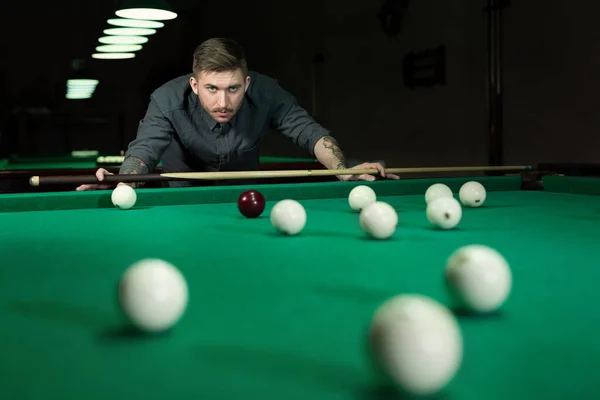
129,31
81,89
78,96
118,48
147,13
113,56
135,23
123,39
156,10
82,82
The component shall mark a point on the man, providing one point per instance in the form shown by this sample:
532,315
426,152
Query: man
216,118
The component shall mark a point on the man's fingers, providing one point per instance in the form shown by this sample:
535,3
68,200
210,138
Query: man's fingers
376,166
101,172
392,176
91,187
366,177
379,168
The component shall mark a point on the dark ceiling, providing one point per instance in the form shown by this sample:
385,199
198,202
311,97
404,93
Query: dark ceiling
40,44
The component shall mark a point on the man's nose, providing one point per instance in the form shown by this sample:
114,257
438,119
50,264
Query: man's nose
222,99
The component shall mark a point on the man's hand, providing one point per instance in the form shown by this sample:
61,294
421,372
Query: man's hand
97,186
330,155
131,165
367,177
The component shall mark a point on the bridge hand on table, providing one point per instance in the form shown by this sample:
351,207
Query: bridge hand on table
367,177
97,186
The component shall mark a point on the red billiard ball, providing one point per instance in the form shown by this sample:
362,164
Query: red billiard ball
251,203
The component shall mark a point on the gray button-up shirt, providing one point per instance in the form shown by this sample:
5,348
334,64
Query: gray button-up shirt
179,132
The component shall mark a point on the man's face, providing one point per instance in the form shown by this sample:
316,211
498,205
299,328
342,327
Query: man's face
220,93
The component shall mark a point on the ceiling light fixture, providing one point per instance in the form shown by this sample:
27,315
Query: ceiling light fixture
113,56
156,10
129,31
78,96
80,84
135,23
123,39
118,48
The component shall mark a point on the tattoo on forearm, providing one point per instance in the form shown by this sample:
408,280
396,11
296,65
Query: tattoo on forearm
331,144
133,165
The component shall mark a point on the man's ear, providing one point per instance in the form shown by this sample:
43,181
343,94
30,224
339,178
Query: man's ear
194,84
247,83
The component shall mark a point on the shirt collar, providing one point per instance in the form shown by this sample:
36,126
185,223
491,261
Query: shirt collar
210,121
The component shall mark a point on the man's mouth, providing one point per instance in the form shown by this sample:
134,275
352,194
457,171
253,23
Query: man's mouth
222,112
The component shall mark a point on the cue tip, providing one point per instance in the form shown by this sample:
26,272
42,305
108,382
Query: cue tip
34,181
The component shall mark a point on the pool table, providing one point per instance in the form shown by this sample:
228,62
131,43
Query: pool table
16,171
273,317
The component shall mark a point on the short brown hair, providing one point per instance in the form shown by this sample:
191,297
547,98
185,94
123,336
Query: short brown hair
219,55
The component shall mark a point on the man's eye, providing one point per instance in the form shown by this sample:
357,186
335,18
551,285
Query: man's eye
233,89
212,89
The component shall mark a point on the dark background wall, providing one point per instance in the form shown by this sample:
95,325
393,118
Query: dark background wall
550,80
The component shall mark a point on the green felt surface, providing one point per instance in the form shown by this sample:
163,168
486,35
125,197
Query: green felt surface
24,163
274,317
64,162
52,165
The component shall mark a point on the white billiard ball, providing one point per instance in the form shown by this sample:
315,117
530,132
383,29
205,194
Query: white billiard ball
123,197
288,217
379,220
478,278
153,294
444,212
437,190
361,196
416,341
472,194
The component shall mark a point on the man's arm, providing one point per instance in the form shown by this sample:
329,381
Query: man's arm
155,133
329,154
134,165
295,123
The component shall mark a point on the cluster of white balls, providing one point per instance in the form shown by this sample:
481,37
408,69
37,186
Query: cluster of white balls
377,218
416,341
444,211
380,220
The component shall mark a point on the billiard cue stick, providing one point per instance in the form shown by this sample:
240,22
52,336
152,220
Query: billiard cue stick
230,175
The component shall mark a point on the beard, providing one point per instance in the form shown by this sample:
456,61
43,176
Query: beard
227,112
223,110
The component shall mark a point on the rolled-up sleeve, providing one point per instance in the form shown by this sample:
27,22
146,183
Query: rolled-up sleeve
154,135
294,121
